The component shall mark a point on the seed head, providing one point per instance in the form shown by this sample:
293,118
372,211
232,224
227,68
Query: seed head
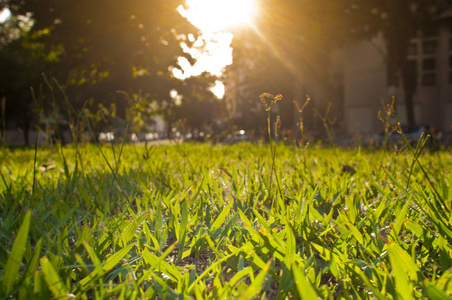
268,100
277,125
264,97
277,98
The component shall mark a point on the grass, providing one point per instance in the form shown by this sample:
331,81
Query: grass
197,221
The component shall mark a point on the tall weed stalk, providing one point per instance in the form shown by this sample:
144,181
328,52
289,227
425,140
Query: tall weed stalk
268,100
416,152
38,108
325,121
300,109
3,137
434,208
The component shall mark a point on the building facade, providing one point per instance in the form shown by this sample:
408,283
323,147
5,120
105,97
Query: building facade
362,69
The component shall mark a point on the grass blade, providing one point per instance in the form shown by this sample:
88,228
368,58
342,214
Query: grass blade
54,282
110,263
220,219
289,258
256,285
401,218
183,230
15,257
405,271
435,292
304,288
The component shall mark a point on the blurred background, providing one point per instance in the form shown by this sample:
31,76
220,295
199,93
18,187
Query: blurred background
156,69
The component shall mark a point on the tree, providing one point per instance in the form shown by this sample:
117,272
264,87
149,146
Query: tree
20,63
398,22
287,51
198,106
96,48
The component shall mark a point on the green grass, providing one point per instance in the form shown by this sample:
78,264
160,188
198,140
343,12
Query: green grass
199,221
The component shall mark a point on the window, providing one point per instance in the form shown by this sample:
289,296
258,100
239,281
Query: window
413,49
428,79
411,75
429,47
429,64
430,32
450,69
422,56
392,79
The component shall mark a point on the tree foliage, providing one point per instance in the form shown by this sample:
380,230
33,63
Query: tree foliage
286,51
96,48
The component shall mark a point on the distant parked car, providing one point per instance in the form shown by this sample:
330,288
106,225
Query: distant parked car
146,136
412,134
198,137
133,137
238,136
106,137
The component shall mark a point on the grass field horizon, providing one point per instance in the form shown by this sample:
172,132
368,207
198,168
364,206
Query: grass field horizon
199,221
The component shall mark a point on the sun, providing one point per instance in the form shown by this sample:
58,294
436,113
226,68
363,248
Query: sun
217,15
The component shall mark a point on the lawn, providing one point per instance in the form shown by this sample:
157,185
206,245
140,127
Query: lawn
199,221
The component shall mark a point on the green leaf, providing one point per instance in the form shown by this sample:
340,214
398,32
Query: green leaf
304,287
183,230
154,262
158,220
35,258
358,236
93,256
289,257
401,218
207,271
445,282
63,220
256,285
324,253
421,232
250,251
113,260
435,292
404,269
52,279
263,222
220,219
109,264
334,268
239,275
129,232
31,269
353,268
244,218
159,264
315,214
16,255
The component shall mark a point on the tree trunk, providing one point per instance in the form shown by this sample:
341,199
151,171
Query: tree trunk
409,75
26,119
399,34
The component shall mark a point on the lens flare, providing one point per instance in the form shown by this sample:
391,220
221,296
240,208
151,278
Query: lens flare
218,15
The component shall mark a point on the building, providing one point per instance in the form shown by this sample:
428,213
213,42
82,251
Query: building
362,71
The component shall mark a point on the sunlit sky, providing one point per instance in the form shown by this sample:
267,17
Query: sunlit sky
213,18
217,15
4,14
